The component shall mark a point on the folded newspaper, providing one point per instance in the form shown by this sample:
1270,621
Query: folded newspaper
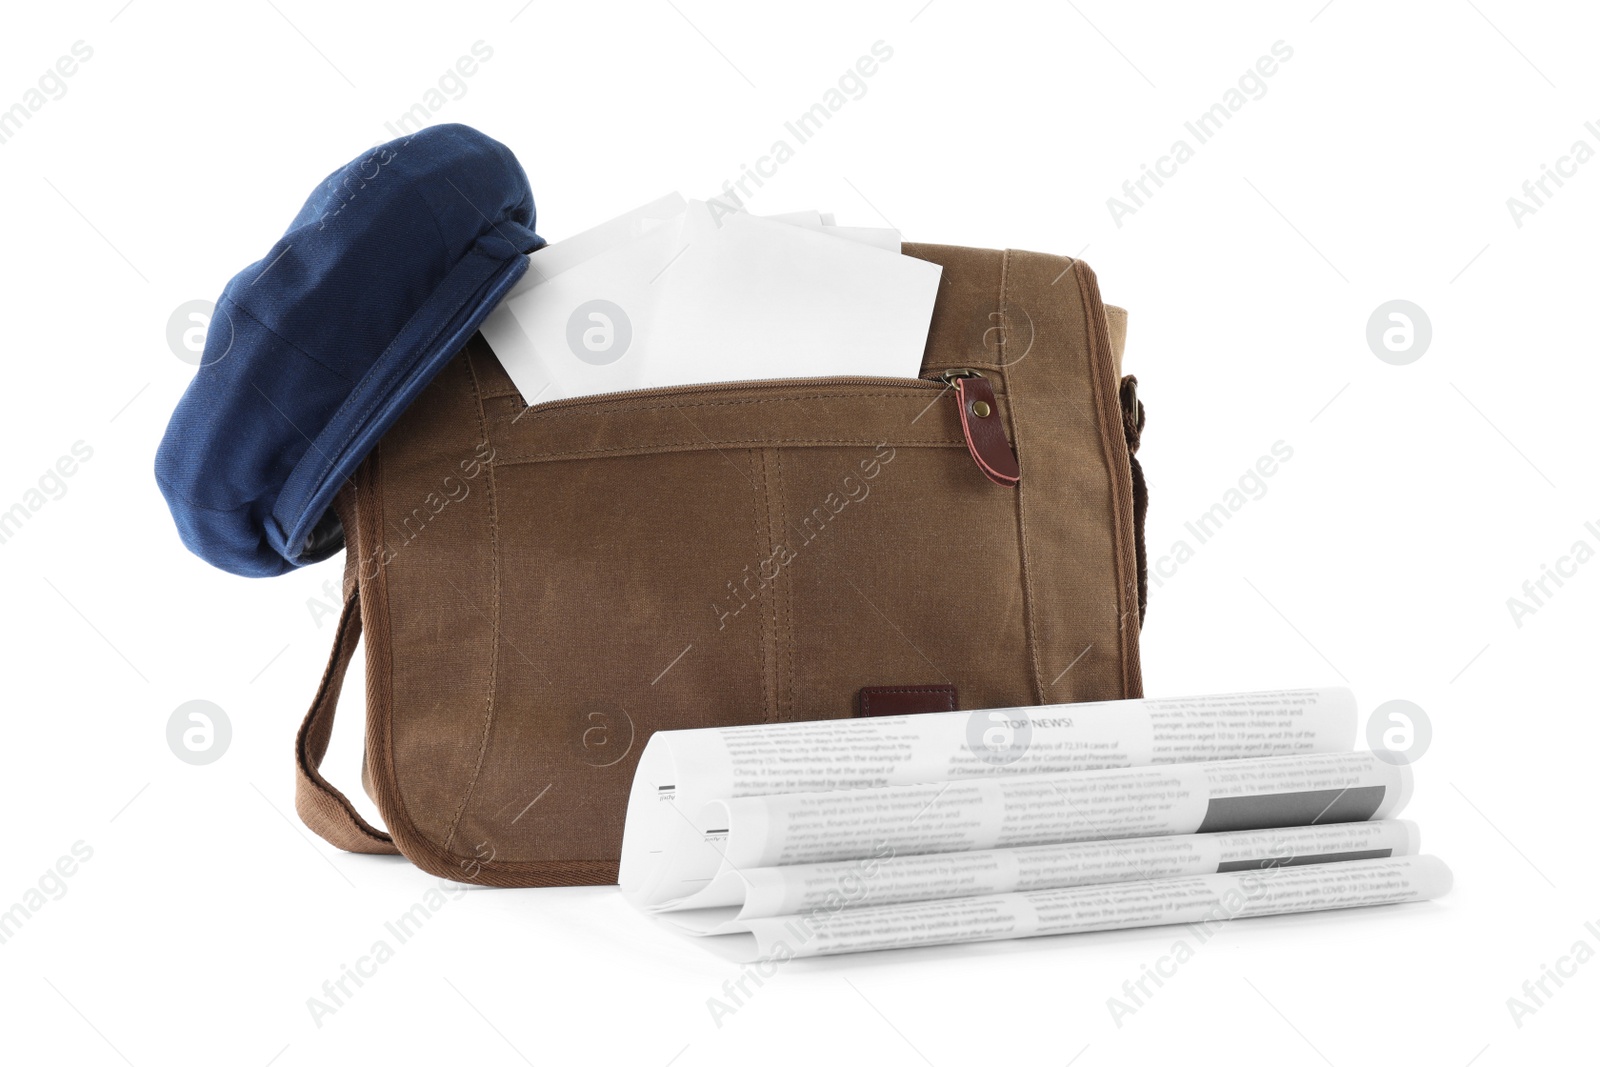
818,838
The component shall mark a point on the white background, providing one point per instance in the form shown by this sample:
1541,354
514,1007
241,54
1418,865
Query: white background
1419,498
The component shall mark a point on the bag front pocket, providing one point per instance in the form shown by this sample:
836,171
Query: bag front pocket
719,555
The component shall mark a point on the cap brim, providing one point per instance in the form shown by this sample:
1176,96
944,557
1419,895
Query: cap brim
429,341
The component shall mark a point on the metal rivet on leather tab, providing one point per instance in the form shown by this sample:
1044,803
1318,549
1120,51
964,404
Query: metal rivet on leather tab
980,409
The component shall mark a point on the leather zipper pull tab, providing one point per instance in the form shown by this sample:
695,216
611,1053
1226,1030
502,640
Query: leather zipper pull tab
980,425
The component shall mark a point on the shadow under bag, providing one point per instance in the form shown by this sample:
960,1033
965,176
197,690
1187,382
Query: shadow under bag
541,588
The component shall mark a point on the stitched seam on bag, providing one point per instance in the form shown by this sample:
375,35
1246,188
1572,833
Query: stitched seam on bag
599,402
534,873
624,408
790,594
768,476
1029,620
606,409
380,683
781,591
988,366
758,464
1120,507
711,444
494,624
603,402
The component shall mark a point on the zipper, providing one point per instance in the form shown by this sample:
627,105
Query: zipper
980,424
730,387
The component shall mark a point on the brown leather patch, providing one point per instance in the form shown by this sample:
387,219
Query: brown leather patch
905,699
986,439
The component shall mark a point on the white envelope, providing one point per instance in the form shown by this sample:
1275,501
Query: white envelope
815,220
552,259
702,298
606,300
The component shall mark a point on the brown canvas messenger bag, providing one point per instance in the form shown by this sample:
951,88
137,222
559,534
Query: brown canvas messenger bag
541,588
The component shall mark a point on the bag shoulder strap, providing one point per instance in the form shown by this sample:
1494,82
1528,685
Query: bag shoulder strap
326,811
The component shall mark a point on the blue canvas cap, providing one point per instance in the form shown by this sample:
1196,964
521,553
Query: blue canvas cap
318,347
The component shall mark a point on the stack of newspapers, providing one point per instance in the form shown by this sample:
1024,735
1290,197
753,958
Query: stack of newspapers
816,838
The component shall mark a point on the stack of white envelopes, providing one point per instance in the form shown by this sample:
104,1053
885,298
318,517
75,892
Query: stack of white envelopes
680,292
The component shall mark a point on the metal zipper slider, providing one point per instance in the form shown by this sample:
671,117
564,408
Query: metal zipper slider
950,376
